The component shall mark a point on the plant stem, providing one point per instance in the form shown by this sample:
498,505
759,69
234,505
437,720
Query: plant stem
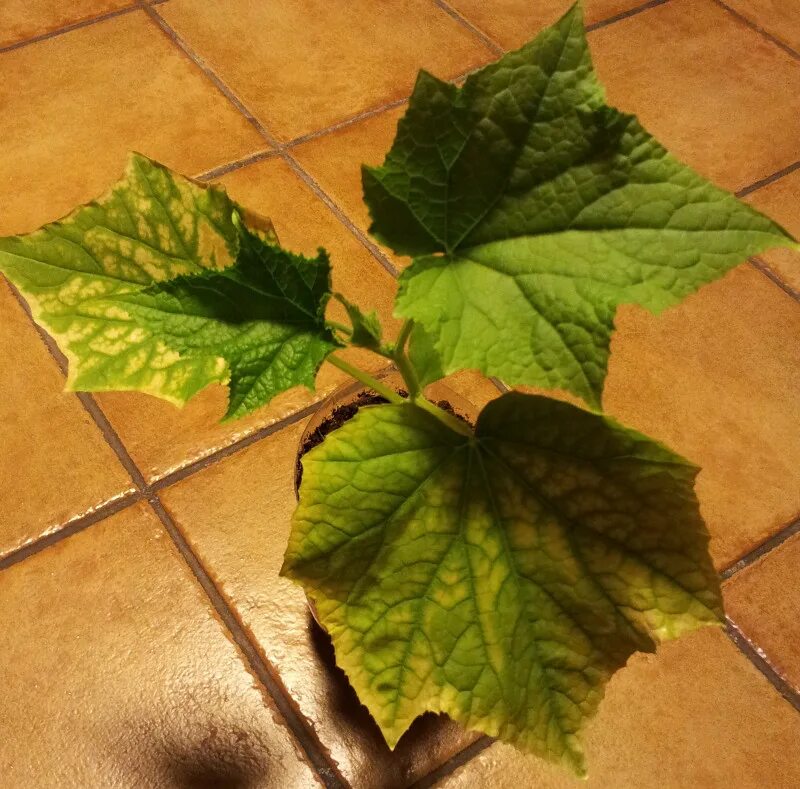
400,358
453,422
405,332
373,383
366,379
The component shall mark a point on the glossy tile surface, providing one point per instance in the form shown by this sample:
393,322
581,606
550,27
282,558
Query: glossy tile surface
512,23
779,18
696,714
781,201
334,161
120,675
54,463
162,438
236,515
116,670
72,107
715,378
301,65
763,600
707,86
26,19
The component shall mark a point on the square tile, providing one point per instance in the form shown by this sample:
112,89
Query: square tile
162,438
763,601
119,674
779,18
334,161
715,378
512,23
54,464
780,200
695,714
25,19
710,88
302,65
75,105
236,515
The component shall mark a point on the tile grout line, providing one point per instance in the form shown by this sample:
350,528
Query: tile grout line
198,61
481,35
625,15
760,30
74,526
767,180
453,763
199,465
759,265
69,28
371,112
759,659
764,549
236,164
270,139
74,26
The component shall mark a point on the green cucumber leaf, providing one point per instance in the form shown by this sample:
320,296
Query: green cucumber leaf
367,331
159,287
500,579
533,210
424,357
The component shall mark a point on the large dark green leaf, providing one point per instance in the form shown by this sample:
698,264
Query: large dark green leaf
534,209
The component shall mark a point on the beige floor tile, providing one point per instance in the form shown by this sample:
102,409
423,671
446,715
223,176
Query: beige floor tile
763,600
54,463
512,23
715,378
301,65
161,437
119,674
780,200
696,714
779,18
236,515
707,86
334,161
75,105
24,19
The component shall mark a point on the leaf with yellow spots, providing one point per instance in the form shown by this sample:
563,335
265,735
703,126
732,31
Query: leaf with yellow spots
501,578
159,287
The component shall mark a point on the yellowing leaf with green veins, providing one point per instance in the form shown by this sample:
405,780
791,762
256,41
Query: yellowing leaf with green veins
158,287
533,210
500,579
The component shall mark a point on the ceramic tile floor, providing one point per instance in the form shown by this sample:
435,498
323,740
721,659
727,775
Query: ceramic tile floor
147,638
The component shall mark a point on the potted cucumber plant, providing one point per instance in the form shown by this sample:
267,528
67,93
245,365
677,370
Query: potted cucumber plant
499,572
